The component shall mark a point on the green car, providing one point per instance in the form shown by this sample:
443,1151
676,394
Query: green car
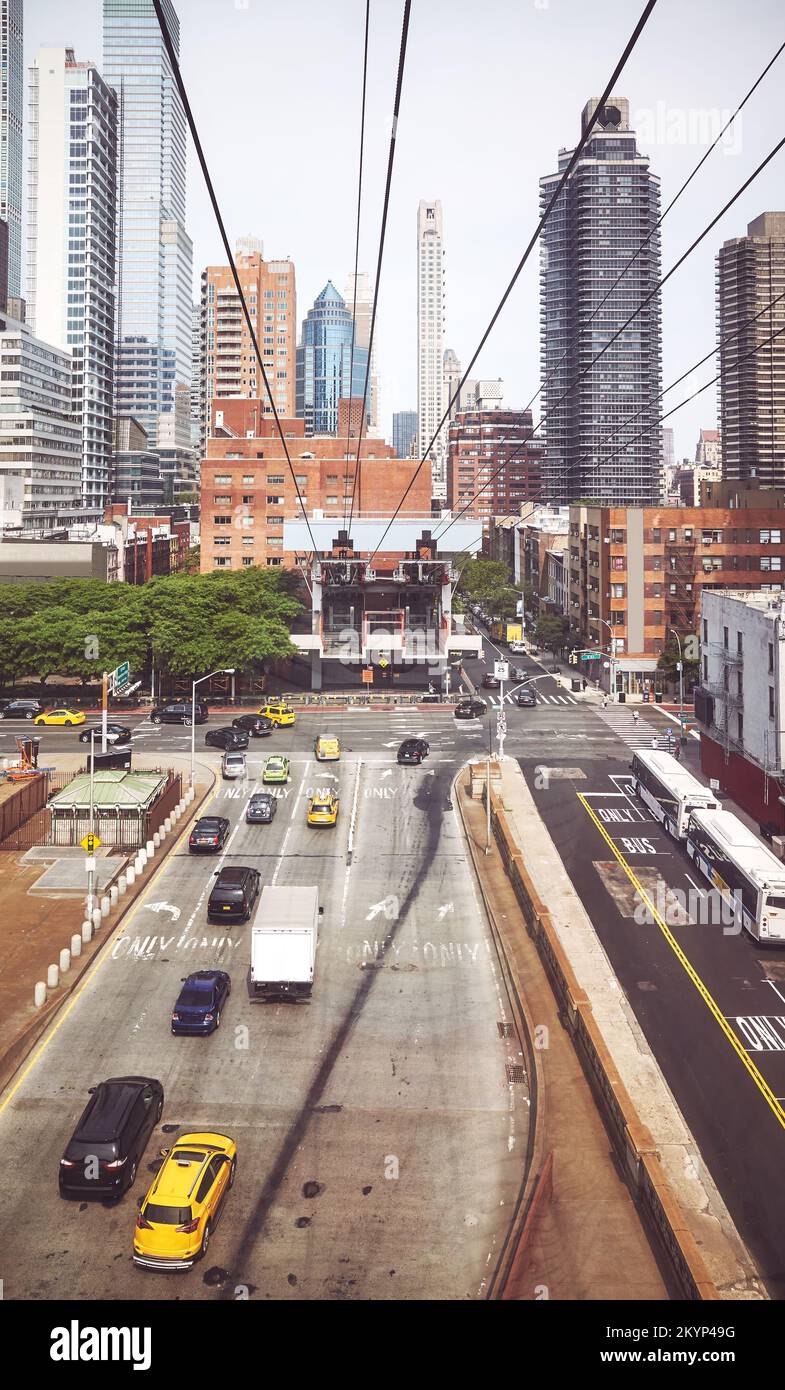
276,769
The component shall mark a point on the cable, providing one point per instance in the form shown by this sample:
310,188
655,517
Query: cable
532,243
209,183
356,257
390,162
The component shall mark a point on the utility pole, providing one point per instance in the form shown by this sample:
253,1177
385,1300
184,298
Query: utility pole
90,857
104,712
680,669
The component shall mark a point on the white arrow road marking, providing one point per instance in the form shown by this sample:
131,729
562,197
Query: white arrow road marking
388,905
164,907
393,743
444,910
388,773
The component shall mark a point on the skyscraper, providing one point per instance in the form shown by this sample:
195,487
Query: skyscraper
404,432
610,203
430,332
324,358
230,364
71,242
155,252
452,377
11,118
751,273
363,313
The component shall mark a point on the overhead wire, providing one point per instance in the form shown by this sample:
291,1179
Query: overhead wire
356,255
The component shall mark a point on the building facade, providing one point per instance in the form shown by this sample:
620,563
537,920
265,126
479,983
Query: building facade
155,253
362,304
11,139
452,380
405,433
430,343
594,230
329,370
750,274
230,366
708,450
494,463
136,470
72,227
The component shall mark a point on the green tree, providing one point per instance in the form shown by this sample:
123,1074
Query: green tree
550,634
667,663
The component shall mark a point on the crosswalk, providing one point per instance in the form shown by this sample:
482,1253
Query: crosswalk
542,699
635,733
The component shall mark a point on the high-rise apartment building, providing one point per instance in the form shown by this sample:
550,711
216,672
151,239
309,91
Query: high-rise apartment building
11,122
327,369
596,227
155,253
750,274
72,223
452,378
197,381
430,335
230,364
708,450
494,463
363,312
404,433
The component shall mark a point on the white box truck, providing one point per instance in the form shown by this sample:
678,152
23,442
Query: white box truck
284,936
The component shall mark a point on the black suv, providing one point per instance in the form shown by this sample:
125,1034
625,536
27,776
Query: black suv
525,698
256,724
234,893
413,750
227,738
261,808
22,709
470,709
179,712
107,1145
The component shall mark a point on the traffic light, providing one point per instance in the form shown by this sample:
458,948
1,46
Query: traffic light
573,658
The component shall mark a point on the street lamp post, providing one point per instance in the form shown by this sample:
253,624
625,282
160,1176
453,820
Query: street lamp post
681,685
612,652
225,671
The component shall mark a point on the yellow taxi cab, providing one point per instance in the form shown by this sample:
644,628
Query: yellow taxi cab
277,712
323,809
177,1216
327,749
61,716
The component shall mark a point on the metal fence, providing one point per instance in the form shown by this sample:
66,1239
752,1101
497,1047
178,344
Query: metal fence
119,830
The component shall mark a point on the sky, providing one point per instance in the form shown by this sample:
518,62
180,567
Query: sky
491,92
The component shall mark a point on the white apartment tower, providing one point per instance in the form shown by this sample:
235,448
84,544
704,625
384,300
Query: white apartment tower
71,242
11,118
430,334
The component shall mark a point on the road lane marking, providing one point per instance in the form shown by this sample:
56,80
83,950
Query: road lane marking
353,821
688,967
698,889
295,811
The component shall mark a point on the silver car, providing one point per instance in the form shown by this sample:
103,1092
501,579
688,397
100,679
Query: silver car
233,765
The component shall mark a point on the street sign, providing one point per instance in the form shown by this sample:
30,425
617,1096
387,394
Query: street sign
590,656
383,662
90,842
120,676
367,675
501,670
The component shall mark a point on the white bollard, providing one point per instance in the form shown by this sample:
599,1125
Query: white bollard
87,932
40,995
156,839
122,885
96,918
65,960
190,794
114,894
130,876
76,946
52,977
105,906
149,849
176,814
141,860
168,825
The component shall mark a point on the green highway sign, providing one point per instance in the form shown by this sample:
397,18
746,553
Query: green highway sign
121,676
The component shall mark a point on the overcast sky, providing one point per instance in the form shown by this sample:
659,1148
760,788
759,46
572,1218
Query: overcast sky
491,91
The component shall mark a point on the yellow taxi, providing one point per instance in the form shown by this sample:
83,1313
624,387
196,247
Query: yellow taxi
323,809
67,717
276,711
177,1217
328,750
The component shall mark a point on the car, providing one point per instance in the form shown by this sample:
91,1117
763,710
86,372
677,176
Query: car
412,751
470,709
526,698
63,716
185,1199
105,1149
254,724
261,808
275,769
323,809
277,712
199,1003
208,835
517,647
233,766
21,709
180,712
429,697
226,738
115,733
490,682
517,673
327,749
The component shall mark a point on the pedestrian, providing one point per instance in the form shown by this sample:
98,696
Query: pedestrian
635,715
605,701
655,743
585,682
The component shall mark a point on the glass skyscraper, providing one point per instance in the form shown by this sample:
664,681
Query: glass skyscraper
324,358
404,432
155,254
610,203
11,116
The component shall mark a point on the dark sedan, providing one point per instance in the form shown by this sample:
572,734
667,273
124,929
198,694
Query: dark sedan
412,751
254,724
490,682
115,733
229,739
261,809
199,1003
470,709
209,834
526,699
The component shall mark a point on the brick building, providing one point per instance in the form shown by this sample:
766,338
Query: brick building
637,573
229,361
484,441
247,490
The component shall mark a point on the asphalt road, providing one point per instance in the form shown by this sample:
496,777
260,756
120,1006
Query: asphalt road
380,1145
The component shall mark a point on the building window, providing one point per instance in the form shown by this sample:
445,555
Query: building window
739,644
617,562
771,657
705,629
705,668
222,540
771,702
618,537
221,478
671,535
248,501
275,501
222,521
656,535
740,722
222,501
725,638
221,562
248,478
275,521
276,478
248,559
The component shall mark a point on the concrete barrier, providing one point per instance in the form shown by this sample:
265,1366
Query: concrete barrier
149,849
97,918
52,977
114,894
156,839
105,906
168,825
65,961
39,996
122,885
87,932
130,876
76,945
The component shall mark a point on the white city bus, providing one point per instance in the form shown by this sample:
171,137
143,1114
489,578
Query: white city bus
744,871
670,791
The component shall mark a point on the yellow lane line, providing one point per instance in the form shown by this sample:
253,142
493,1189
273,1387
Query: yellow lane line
105,954
706,996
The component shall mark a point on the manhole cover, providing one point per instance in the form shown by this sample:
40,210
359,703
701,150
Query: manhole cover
505,1030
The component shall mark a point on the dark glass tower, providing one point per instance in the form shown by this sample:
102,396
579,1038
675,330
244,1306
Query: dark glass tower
609,205
324,358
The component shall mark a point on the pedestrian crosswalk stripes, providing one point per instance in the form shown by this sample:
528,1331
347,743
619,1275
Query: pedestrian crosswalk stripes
636,733
542,699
